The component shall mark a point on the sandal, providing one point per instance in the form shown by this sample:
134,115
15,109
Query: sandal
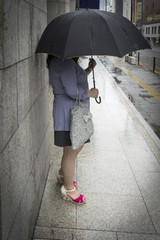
65,197
60,180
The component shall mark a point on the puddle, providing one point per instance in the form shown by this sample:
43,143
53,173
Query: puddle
156,129
156,84
131,98
145,96
117,80
117,70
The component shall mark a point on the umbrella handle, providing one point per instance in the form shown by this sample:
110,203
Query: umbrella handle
94,84
97,100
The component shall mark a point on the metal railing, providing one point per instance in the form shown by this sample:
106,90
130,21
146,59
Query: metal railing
156,64
152,63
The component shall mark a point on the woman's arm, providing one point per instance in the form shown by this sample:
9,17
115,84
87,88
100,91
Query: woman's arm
68,76
88,70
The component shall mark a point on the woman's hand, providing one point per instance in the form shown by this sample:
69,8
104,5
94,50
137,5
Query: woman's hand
92,63
93,93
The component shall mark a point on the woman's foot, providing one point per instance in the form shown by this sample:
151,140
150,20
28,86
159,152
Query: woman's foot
60,179
72,195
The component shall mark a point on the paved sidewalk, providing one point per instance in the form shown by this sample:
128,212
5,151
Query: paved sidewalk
141,86
118,172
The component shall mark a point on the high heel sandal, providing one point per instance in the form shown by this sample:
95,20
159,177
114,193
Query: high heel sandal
60,180
65,197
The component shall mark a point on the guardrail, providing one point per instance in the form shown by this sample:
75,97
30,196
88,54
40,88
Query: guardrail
152,63
156,64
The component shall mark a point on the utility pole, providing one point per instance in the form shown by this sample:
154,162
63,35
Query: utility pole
77,4
135,12
131,11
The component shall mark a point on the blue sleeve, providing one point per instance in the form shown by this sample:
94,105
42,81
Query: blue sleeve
68,77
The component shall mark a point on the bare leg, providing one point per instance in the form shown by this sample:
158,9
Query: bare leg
68,169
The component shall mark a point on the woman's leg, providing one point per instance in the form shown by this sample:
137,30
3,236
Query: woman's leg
68,168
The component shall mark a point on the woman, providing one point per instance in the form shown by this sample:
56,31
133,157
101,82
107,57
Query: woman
66,76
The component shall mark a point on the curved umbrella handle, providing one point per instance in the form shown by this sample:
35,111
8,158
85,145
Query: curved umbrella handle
97,100
94,83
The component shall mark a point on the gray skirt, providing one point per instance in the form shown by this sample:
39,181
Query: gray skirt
62,138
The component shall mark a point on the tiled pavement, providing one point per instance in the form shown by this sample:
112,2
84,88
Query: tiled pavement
118,172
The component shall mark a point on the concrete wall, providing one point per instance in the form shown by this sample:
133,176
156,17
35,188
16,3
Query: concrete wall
58,7
24,116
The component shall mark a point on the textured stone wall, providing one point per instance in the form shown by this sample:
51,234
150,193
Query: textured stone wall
24,116
58,7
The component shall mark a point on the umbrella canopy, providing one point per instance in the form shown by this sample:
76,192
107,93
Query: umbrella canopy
87,32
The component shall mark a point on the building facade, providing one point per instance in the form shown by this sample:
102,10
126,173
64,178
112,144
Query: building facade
24,117
151,21
122,7
58,7
127,9
111,5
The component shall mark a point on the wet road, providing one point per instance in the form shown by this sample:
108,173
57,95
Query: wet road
145,96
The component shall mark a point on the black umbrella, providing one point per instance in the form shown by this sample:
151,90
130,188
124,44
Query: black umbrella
88,32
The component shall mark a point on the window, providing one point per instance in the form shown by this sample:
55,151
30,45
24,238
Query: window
155,30
147,30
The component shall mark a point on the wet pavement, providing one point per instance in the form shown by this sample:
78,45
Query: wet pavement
144,101
118,172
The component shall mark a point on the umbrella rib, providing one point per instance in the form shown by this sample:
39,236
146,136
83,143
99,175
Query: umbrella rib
91,29
110,31
66,42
